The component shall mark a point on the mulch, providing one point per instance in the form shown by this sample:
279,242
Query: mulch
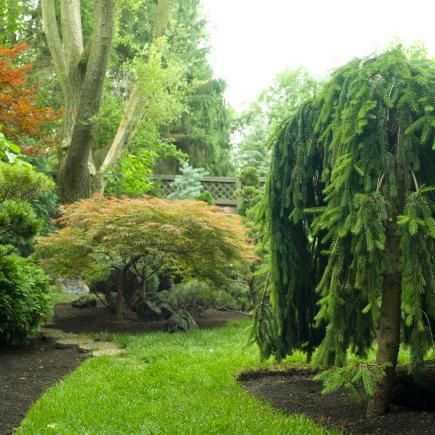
26,373
296,391
100,319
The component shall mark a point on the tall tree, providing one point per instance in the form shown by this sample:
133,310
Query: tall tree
274,104
21,115
353,177
81,71
129,48
203,131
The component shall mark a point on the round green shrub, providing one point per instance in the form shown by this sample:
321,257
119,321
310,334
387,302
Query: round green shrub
19,224
249,176
196,295
24,299
206,196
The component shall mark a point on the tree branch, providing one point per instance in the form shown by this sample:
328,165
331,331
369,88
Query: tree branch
123,134
54,42
131,113
71,32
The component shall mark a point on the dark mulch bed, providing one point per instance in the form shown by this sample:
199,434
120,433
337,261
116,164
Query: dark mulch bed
100,319
26,373
296,392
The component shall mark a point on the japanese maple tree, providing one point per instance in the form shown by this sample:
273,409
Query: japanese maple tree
188,236
21,115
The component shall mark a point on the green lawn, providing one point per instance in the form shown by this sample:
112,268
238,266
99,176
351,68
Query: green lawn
164,384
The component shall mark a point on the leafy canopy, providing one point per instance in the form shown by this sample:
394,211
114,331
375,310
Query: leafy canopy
21,115
274,105
189,236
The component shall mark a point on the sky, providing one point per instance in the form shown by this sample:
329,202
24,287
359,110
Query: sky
253,40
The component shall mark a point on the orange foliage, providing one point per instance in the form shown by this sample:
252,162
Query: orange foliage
189,236
20,114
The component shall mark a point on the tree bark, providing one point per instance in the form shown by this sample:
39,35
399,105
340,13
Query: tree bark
81,73
120,295
388,336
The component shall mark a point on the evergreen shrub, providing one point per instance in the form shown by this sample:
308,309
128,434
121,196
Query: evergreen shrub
196,295
24,298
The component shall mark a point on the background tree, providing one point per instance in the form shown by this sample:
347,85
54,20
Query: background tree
275,104
12,24
202,131
204,125
139,99
80,68
348,178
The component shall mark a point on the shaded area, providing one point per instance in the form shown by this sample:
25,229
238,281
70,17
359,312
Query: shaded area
100,319
25,374
297,392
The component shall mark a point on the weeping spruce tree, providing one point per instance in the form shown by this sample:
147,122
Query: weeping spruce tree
351,218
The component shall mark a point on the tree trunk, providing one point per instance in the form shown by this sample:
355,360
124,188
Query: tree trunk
81,73
120,295
388,336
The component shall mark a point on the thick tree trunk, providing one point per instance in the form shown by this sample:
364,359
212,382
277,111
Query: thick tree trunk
388,339
81,73
75,178
388,336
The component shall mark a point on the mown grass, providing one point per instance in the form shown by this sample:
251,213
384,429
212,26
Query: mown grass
165,384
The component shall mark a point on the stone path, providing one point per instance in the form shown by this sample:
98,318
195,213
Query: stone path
94,347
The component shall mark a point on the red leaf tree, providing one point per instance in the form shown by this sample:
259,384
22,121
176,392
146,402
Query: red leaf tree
21,115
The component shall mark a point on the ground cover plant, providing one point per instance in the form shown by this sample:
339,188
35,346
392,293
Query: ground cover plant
168,384
351,220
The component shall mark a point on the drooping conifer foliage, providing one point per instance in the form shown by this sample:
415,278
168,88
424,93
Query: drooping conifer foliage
351,216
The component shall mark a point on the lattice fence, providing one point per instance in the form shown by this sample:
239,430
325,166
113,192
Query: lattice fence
223,189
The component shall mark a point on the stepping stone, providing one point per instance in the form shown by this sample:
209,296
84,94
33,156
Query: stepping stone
64,340
54,334
65,344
